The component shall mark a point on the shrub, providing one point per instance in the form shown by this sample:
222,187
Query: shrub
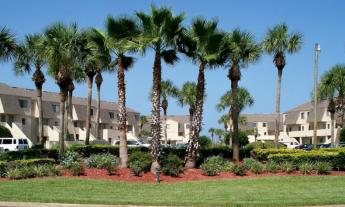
248,163
228,167
73,162
137,167
143,158
2,169
257,167
287,167
239,170
263,145
271,167
14,174
306,167
29,154
30,162
173,165
323,167
205,142
104,161
212,166
4,132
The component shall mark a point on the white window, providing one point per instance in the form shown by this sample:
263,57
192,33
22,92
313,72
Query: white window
23,103
56,108
302,128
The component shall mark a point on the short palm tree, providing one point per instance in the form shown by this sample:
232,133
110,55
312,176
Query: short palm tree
224,119
211,131
121,33
202,44
240,49
61,52
168,89
332,87
187,95
8,44
219,133
160,30
29,55
277,42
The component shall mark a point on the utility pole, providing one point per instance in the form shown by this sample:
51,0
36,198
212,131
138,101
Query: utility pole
317,50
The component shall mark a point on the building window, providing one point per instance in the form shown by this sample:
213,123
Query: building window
3,118
309,127
265,133
264,124
77,137
23,121
129,128
299,128
23,103
187,126
111,115
308,113
75,124
302,115
328,126
91,112
56,108
56,123
137,117
302,128
180,134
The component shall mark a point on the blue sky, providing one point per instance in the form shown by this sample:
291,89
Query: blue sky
319,21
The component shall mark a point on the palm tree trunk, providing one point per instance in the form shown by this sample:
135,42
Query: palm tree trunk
88,108
70,113
40,115
277,117
235,115
191,114
122,114
193,143
332,130
98,81
165,112
155,119
63,95
66,118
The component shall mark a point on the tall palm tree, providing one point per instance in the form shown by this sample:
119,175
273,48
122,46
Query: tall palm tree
202,44
332,87
121,33
211,131
168,89
160,30
61,52
8,44
94,56
30,54
224,119
277,42
98,81
187,96
240,49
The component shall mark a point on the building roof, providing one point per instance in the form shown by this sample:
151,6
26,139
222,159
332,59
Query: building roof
309,106
294,113
252,119
55,97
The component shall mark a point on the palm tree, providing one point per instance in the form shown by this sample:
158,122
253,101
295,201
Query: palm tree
61,52
98,81
211,131
143,121
201,43
219,133
8,44
160,30
167,89
30,54
224,119
240,49
278,42
332,87
121,33
187,96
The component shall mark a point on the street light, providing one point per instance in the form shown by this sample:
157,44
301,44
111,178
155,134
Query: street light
317,50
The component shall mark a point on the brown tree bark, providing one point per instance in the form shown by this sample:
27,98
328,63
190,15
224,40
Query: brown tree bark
98,81
39,79
277,115
165,112
88,107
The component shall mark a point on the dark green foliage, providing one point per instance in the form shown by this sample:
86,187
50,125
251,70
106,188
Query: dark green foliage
262,145
323,168
342,135
104,161
30,162
74,163
30,171
248,162
306,167
239,170
2,169
271,167
212,166
29,154
87,150
243,138
4,132
287,167
253,165
139,162
172,165
205,142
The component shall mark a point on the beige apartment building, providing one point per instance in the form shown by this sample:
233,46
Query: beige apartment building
19,113
178,127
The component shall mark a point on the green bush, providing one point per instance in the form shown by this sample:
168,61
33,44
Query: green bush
263,145
248,162
205,142
239,170
323,168
287,167
257,168
4,132
29,154
173,165
30,162
271,167
3,169
212,166
74,163
14,174
306,167
104,161
228,167
139,162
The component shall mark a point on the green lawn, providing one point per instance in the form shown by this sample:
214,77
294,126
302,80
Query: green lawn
268,191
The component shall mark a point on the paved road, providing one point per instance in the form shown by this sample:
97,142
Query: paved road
25,204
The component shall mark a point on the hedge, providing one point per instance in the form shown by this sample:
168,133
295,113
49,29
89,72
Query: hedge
29,154
2,169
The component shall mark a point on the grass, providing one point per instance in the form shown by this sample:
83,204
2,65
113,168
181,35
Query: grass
267,191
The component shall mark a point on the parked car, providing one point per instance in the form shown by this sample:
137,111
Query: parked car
291,145
318,146
305,147
179,146
14,144
133,143
341,144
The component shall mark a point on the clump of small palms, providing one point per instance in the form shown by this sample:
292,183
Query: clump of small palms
278,42
306,167
287,167
271,167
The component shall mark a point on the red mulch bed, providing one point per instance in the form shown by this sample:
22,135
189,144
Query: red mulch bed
187,175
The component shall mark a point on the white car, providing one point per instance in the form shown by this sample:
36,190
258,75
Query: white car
14,144
291,145
133,143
